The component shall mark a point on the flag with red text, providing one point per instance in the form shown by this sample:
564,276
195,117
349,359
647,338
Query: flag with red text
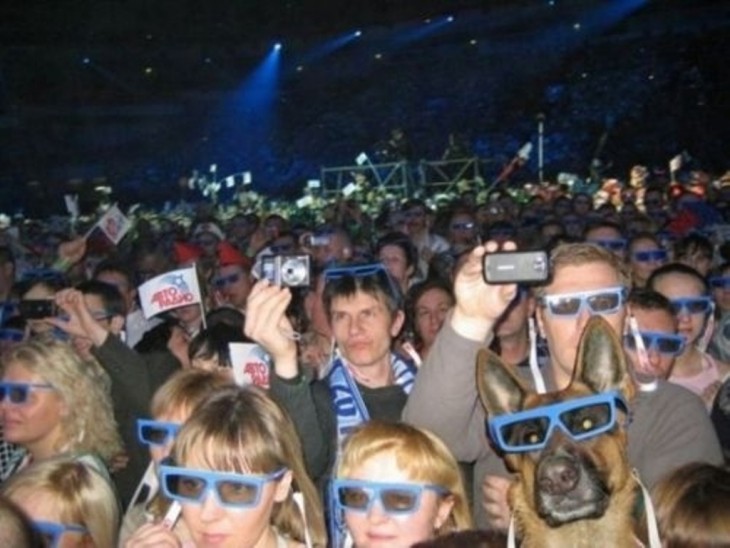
169,291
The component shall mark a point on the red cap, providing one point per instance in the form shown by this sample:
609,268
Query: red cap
186,253
229,255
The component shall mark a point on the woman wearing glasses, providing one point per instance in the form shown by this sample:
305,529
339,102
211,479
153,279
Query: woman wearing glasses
171,406
51,404
395,485
689,293
235,469
69,503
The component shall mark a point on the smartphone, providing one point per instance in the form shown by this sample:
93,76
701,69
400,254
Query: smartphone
36,309
510,267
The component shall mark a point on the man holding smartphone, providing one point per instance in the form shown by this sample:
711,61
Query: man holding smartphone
669,428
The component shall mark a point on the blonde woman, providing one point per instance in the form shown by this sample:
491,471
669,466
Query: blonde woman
396,485
51,405
236,466
171,406
69,503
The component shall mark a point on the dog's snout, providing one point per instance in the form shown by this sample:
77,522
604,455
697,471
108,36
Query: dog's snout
558,476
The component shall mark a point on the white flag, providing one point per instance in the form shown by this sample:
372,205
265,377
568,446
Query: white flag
305,201
72,205
362,158
675,164
524,152
251,364
230,181
114,224
349,189
169,291
247,178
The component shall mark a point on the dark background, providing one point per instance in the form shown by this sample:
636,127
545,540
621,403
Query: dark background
145,110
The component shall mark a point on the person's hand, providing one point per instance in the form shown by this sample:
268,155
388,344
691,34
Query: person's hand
73,251
153,535
78,320
267,324
478,304
495,502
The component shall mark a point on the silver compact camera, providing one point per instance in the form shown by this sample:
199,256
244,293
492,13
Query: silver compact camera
286,270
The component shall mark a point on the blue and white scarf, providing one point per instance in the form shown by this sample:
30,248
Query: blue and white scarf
350,410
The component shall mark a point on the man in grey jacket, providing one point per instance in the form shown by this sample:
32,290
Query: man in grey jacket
669,425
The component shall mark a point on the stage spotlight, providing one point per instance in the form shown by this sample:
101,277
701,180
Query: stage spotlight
450,19
86,60
358,33
277,46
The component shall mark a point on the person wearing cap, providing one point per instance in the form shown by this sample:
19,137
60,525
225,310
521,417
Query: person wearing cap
207,236
232,277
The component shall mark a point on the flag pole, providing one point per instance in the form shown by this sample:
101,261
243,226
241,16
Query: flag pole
202,299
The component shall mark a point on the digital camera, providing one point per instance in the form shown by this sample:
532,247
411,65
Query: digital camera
286,270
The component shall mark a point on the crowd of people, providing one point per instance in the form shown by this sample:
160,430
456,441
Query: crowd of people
124,428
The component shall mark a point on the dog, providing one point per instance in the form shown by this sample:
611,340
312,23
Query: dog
574,485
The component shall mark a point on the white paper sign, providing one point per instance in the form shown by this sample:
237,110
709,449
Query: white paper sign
251,365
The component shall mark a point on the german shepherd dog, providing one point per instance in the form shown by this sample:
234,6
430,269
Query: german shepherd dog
567,449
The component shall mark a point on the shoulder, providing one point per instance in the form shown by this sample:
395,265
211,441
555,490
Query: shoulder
667,400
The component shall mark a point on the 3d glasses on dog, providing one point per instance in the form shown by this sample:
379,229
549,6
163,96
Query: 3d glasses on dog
579,418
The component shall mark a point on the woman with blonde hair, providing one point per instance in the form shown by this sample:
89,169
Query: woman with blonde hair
237,470
51,404
69,503
396,485
693,506
171,406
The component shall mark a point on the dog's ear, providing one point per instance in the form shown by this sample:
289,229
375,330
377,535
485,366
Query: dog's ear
500,391
601,363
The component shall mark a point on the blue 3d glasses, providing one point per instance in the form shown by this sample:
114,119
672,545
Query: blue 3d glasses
580,419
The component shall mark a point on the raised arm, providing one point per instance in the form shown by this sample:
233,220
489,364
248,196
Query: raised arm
444,397
306,402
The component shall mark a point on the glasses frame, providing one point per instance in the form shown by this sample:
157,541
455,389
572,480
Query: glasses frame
653,341
650,255
212,481
719,282
681,305
219,282
549,301
375,489
55,530
171,431
552,412
611,244
25,387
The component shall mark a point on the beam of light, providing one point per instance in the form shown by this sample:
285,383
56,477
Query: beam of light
241,131
328,47
610,14
108,75
420,31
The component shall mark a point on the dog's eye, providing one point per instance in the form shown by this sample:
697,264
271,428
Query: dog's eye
584,420
526,432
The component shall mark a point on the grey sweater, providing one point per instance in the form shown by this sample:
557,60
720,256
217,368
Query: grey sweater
670,426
